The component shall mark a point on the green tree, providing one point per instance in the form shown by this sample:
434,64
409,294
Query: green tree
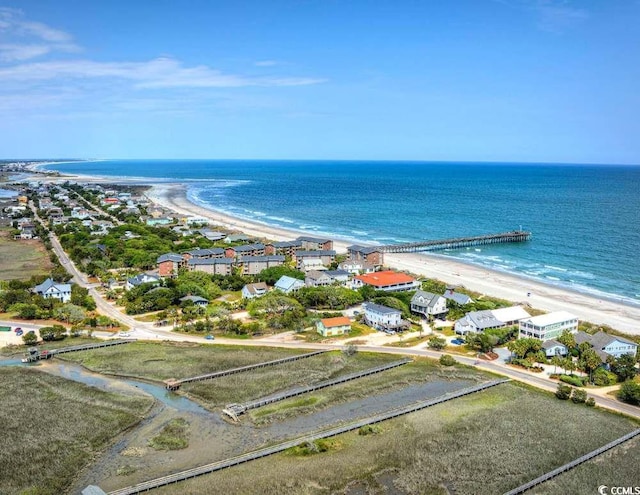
70,313
568,365
624,367
55,332
563,392
556,361
567,339
437,343
630,392
30,338
579,396
590,361
522,347
271,275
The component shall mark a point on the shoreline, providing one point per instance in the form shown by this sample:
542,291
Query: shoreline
512,287
601,311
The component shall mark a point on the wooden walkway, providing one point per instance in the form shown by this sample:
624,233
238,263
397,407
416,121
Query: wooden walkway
235,410
175,384
456,243
274,449
576,462
46,354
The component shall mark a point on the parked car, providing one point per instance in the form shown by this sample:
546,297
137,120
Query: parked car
457,341
210,337
17,329
19,332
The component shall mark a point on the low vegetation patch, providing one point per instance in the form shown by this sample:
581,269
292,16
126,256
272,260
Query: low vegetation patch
53,427
489,442
173,436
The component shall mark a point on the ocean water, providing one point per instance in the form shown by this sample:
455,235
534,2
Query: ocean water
585,219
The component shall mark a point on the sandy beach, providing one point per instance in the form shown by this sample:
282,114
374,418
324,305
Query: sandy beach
513,288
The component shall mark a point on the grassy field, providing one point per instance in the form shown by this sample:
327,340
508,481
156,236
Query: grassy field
22,259
618,467
160,361
486,443
52,428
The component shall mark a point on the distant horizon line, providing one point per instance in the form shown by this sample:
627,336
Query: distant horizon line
351,160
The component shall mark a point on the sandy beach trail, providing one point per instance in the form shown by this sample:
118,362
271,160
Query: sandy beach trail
546,297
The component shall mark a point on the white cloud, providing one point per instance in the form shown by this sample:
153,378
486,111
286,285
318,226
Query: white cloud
30,39
157,73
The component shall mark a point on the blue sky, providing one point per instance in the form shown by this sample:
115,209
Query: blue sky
475,80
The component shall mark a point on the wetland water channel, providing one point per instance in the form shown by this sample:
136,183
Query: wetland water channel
130,459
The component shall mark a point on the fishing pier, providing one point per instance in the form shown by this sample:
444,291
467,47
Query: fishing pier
456,243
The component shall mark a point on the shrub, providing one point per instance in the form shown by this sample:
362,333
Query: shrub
447,360
369,430
573,380
437,343
630,392
563,392
579,396
602,377
590,402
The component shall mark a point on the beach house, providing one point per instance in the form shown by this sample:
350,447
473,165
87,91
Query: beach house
607,345
384,318
428,304
548,326
478,321
52,290
142,278
457,297
251,291
388,280
288,284
330,327
554,348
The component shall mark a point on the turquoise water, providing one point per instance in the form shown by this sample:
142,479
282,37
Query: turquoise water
585,218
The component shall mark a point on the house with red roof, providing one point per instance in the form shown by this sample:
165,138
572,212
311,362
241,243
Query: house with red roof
388,280
330,327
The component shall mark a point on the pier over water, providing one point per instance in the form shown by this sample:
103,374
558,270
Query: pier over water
460,242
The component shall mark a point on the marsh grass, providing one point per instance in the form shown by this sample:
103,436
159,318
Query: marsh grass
52,428
261,382
489,442
173,436
161,361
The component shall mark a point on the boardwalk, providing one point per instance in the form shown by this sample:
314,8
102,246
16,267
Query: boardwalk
234,410
460,242
274,449
46,354
576,462
175,384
